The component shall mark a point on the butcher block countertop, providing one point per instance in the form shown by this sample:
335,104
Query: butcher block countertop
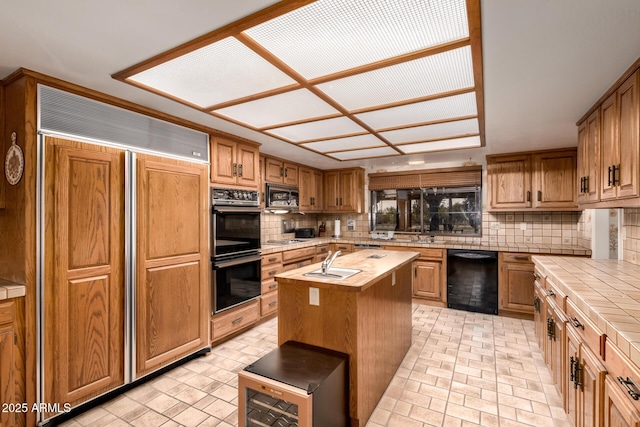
373,269
607,291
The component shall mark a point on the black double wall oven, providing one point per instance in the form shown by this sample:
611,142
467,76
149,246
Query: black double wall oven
235,243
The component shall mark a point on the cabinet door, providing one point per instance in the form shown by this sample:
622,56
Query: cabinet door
539,317
618,411
592,162
247,165
306,191
516,287
609,148
273,171
583,162
556,180
290,174
427,279
331,190
84,270
172,287
7,368
555,348
351,191
317,191
573,345
223,161
591,376
510,181
627,175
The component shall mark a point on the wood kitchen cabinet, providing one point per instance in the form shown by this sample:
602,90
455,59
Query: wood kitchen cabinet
234,163
234,320
544,180
540,315
620,142
344,190
172,282
271,265
280,171
589,159
429,273
515,284
310,190
344,248
7,362
618,410
555,348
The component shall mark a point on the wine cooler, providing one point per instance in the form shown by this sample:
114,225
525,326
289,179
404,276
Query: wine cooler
295,385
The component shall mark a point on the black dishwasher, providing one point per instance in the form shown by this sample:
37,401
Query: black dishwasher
472,280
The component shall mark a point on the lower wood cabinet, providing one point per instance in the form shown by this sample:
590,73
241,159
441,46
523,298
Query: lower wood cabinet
271,265
268,303
555,348
234,319
7,362
540,316
618,410
515,283
345,248
429,273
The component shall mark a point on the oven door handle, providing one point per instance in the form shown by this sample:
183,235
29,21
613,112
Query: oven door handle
237,261
236,209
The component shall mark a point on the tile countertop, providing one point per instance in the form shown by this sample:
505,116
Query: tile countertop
268,248
11,290
607,292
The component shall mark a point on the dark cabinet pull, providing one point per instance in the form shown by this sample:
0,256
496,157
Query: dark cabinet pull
536,276
577,376
281,171
340,201
240,170
272,286
528,196
415,271
582,184
337,202
272,272
572,372
272,303
551,293
286,172
630,386
235,169
521,258
536,304
551,333
539,195
239,319
609,177
576,323
272,259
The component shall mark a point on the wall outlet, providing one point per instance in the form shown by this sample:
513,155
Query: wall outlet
314,296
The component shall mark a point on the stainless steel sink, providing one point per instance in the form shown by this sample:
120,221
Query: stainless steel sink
334,273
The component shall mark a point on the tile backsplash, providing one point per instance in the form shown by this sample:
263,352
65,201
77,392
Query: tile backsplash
538,228
631,235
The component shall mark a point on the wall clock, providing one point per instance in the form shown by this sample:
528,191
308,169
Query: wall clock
14,162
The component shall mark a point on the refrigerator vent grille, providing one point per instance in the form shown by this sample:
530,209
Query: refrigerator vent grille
69,114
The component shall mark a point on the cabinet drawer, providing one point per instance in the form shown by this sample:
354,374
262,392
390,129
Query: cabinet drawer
344,247
585,328
556,295
298,254
516,257
269,303
275,258
322,249
270,271
621,368
238,318
298,264
269,285
7,313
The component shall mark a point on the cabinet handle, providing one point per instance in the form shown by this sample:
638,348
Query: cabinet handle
235,169
239,319
272,303
576,323
340,201
337,202
551,333
313,201
272,272
528,196
286,172
577,376
630,386
281,171
240,170
536,276
582,184
572,372
521,258
415,271
536,304
275,285
539,195
551,293
609,177
272,259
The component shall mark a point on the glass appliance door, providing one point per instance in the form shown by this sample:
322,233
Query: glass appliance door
235,230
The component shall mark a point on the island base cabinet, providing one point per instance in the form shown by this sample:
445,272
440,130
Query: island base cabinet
618,410
372,326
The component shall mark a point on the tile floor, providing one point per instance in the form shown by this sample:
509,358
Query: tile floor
463,369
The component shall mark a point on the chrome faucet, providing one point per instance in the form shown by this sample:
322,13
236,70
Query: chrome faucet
326,264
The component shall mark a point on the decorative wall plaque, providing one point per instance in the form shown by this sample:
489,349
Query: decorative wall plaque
14,162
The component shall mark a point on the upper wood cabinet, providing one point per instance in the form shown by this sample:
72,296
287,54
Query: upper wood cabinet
589,159
544,180
310,190
620,142
234,163
281,172
344,190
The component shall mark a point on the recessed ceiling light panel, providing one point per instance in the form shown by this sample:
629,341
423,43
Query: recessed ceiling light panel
421,112
426,76
328,36
216,73
320,129
279,109
347,143
363,154
446,144
437,131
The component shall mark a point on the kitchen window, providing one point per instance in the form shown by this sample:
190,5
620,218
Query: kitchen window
444,208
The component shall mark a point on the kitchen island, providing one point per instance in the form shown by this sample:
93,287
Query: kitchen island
367,316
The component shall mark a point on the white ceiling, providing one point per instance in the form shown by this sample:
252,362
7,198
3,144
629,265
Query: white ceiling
545,61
